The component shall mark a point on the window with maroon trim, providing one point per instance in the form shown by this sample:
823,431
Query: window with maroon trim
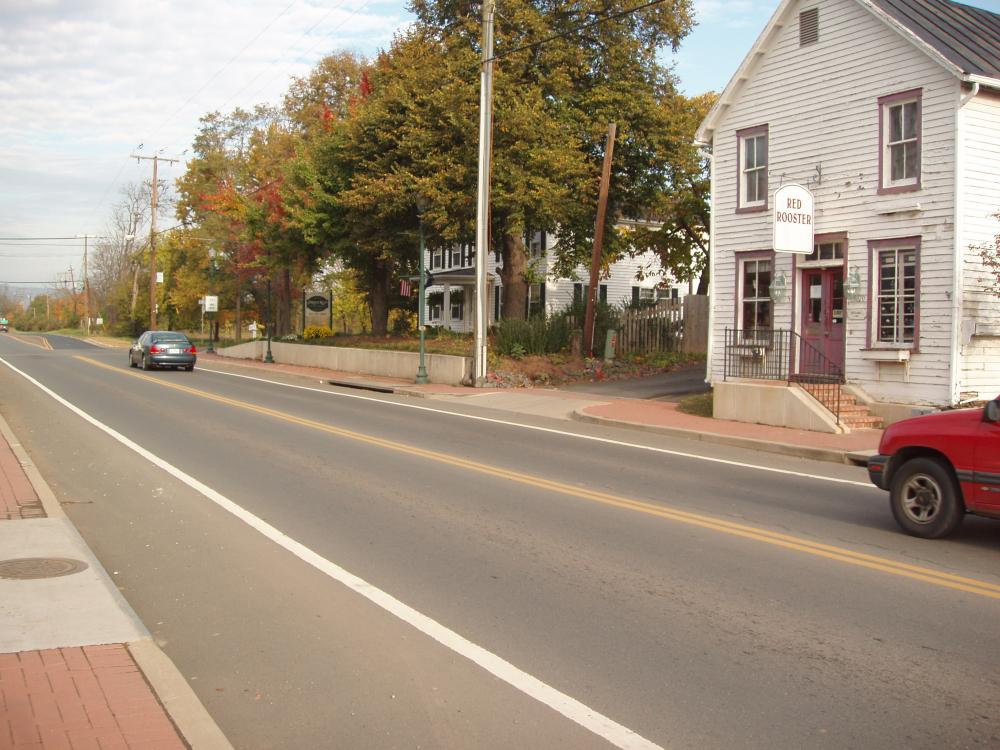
899,142
755,295
753,159
897,295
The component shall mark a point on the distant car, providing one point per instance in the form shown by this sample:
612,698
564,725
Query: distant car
3,325
939,467
163,349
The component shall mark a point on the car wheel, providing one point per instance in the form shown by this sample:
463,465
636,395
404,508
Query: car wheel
189,368
146,364
925,498
131,360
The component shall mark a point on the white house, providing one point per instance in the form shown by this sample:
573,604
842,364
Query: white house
453,281
888,112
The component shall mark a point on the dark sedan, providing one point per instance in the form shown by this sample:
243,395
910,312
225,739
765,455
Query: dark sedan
163,349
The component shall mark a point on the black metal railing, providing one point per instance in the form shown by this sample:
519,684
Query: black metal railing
757,354
775,354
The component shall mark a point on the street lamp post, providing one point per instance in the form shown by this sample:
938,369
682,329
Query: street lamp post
267,357
211,283
421,369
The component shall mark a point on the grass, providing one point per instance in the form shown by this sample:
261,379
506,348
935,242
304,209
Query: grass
699,406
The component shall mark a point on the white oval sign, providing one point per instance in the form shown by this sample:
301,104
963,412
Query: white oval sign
793,220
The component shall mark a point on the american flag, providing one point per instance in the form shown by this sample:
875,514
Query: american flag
405,290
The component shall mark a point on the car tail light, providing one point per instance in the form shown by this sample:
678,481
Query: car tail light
192,349
154,349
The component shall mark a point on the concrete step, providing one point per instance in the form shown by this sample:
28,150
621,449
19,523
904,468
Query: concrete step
862,422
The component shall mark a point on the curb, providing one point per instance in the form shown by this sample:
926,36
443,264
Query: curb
831,455
193,722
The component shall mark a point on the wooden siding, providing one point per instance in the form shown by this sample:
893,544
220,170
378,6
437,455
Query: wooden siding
820,103
979,186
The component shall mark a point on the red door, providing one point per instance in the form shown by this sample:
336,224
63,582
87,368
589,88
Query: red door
822,320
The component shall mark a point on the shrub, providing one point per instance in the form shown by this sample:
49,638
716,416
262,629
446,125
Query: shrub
517,338
317,332
402,322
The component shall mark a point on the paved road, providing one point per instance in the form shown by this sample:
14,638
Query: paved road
667,386
516,586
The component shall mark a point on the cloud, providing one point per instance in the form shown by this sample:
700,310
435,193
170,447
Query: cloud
82,82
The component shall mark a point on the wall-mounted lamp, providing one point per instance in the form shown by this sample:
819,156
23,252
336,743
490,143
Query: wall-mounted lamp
779,288
852,286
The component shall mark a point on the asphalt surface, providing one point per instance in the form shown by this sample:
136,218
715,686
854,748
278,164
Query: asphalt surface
683,599
668,386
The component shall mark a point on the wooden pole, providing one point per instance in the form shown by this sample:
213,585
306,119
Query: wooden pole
595,260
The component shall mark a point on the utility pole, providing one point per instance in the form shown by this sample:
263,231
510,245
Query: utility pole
152,237
86,280
72,287
595,258
483,193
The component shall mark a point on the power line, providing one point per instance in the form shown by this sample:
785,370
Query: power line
350,15
581,27
22,239
229,62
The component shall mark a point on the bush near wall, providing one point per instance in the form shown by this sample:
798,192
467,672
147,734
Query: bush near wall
317,332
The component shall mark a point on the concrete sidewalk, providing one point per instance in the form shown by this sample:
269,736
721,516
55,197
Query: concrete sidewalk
655,416
77,667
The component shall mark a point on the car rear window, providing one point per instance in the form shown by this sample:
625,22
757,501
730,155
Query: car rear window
171,337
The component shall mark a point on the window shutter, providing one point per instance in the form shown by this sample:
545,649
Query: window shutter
603,292
808,27
577,292
635,295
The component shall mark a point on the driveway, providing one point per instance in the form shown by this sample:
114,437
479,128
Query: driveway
667,386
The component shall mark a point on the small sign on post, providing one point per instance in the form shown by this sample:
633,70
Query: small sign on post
211,303
793,220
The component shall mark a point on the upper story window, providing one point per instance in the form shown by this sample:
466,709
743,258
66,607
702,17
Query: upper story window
437,259
456,256
753,160
899,142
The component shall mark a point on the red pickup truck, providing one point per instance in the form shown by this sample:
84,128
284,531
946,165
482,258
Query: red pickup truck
939,467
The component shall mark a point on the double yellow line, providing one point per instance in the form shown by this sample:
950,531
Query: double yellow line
777,539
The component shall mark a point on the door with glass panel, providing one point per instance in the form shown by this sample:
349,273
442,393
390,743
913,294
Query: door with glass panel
822,320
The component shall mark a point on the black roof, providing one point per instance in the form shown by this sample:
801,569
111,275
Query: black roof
967,37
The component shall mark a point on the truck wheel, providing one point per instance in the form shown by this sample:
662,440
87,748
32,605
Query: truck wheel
925,499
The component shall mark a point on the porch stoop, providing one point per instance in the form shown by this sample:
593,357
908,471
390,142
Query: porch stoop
853,415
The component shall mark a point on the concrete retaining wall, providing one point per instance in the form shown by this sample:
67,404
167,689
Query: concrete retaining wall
770,403
441,368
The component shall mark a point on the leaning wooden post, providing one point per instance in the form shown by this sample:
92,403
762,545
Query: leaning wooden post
595,260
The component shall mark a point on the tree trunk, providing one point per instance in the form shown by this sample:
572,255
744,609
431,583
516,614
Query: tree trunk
703,281
515,288
378,299
135,292
238,328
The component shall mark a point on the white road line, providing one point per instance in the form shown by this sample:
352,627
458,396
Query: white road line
552,431
616,734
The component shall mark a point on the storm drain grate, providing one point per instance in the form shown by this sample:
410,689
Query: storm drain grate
26,568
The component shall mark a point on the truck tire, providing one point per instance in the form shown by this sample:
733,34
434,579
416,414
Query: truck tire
925,498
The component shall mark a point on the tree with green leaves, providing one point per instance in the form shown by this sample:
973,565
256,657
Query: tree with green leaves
562,75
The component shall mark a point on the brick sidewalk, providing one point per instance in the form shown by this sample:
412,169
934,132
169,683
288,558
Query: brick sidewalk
78,698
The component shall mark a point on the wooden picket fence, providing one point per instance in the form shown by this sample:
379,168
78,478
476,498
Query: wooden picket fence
651,329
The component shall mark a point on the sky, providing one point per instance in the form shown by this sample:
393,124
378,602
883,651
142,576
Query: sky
85,84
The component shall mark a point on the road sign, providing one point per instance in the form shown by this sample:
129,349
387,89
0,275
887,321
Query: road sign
211,303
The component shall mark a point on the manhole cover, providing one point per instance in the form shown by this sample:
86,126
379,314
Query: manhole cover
40,567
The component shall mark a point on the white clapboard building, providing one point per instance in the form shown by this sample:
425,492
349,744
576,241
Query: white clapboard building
450,295
887,113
